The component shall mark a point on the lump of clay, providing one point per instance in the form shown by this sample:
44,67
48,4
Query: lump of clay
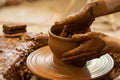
11,30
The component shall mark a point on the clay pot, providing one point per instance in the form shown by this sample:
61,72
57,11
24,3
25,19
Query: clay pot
58,44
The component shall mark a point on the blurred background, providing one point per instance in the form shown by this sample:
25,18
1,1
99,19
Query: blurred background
39,15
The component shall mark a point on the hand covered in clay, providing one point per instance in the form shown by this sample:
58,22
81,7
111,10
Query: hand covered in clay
91,45
78,23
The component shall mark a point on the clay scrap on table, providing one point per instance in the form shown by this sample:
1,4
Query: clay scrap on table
14,51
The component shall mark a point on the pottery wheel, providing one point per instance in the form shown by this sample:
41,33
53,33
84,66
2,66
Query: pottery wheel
41,63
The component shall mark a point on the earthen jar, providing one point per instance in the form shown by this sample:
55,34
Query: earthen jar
58,44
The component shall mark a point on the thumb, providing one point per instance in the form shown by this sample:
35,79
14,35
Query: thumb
80,37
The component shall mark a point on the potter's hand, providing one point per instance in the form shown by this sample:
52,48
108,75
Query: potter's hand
79,22
92,45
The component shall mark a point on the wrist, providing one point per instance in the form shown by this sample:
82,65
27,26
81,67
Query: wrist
104,7
113,44
98,8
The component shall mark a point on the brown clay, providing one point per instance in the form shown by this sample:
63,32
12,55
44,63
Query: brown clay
14,28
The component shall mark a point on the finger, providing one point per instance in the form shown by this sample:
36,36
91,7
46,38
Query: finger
80,57
64,31
74,51
80,37
88,35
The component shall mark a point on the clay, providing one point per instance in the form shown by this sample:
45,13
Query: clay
14,28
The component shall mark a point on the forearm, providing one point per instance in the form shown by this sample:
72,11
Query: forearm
104,7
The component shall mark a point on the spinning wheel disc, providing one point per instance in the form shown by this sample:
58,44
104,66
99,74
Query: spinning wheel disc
41,63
